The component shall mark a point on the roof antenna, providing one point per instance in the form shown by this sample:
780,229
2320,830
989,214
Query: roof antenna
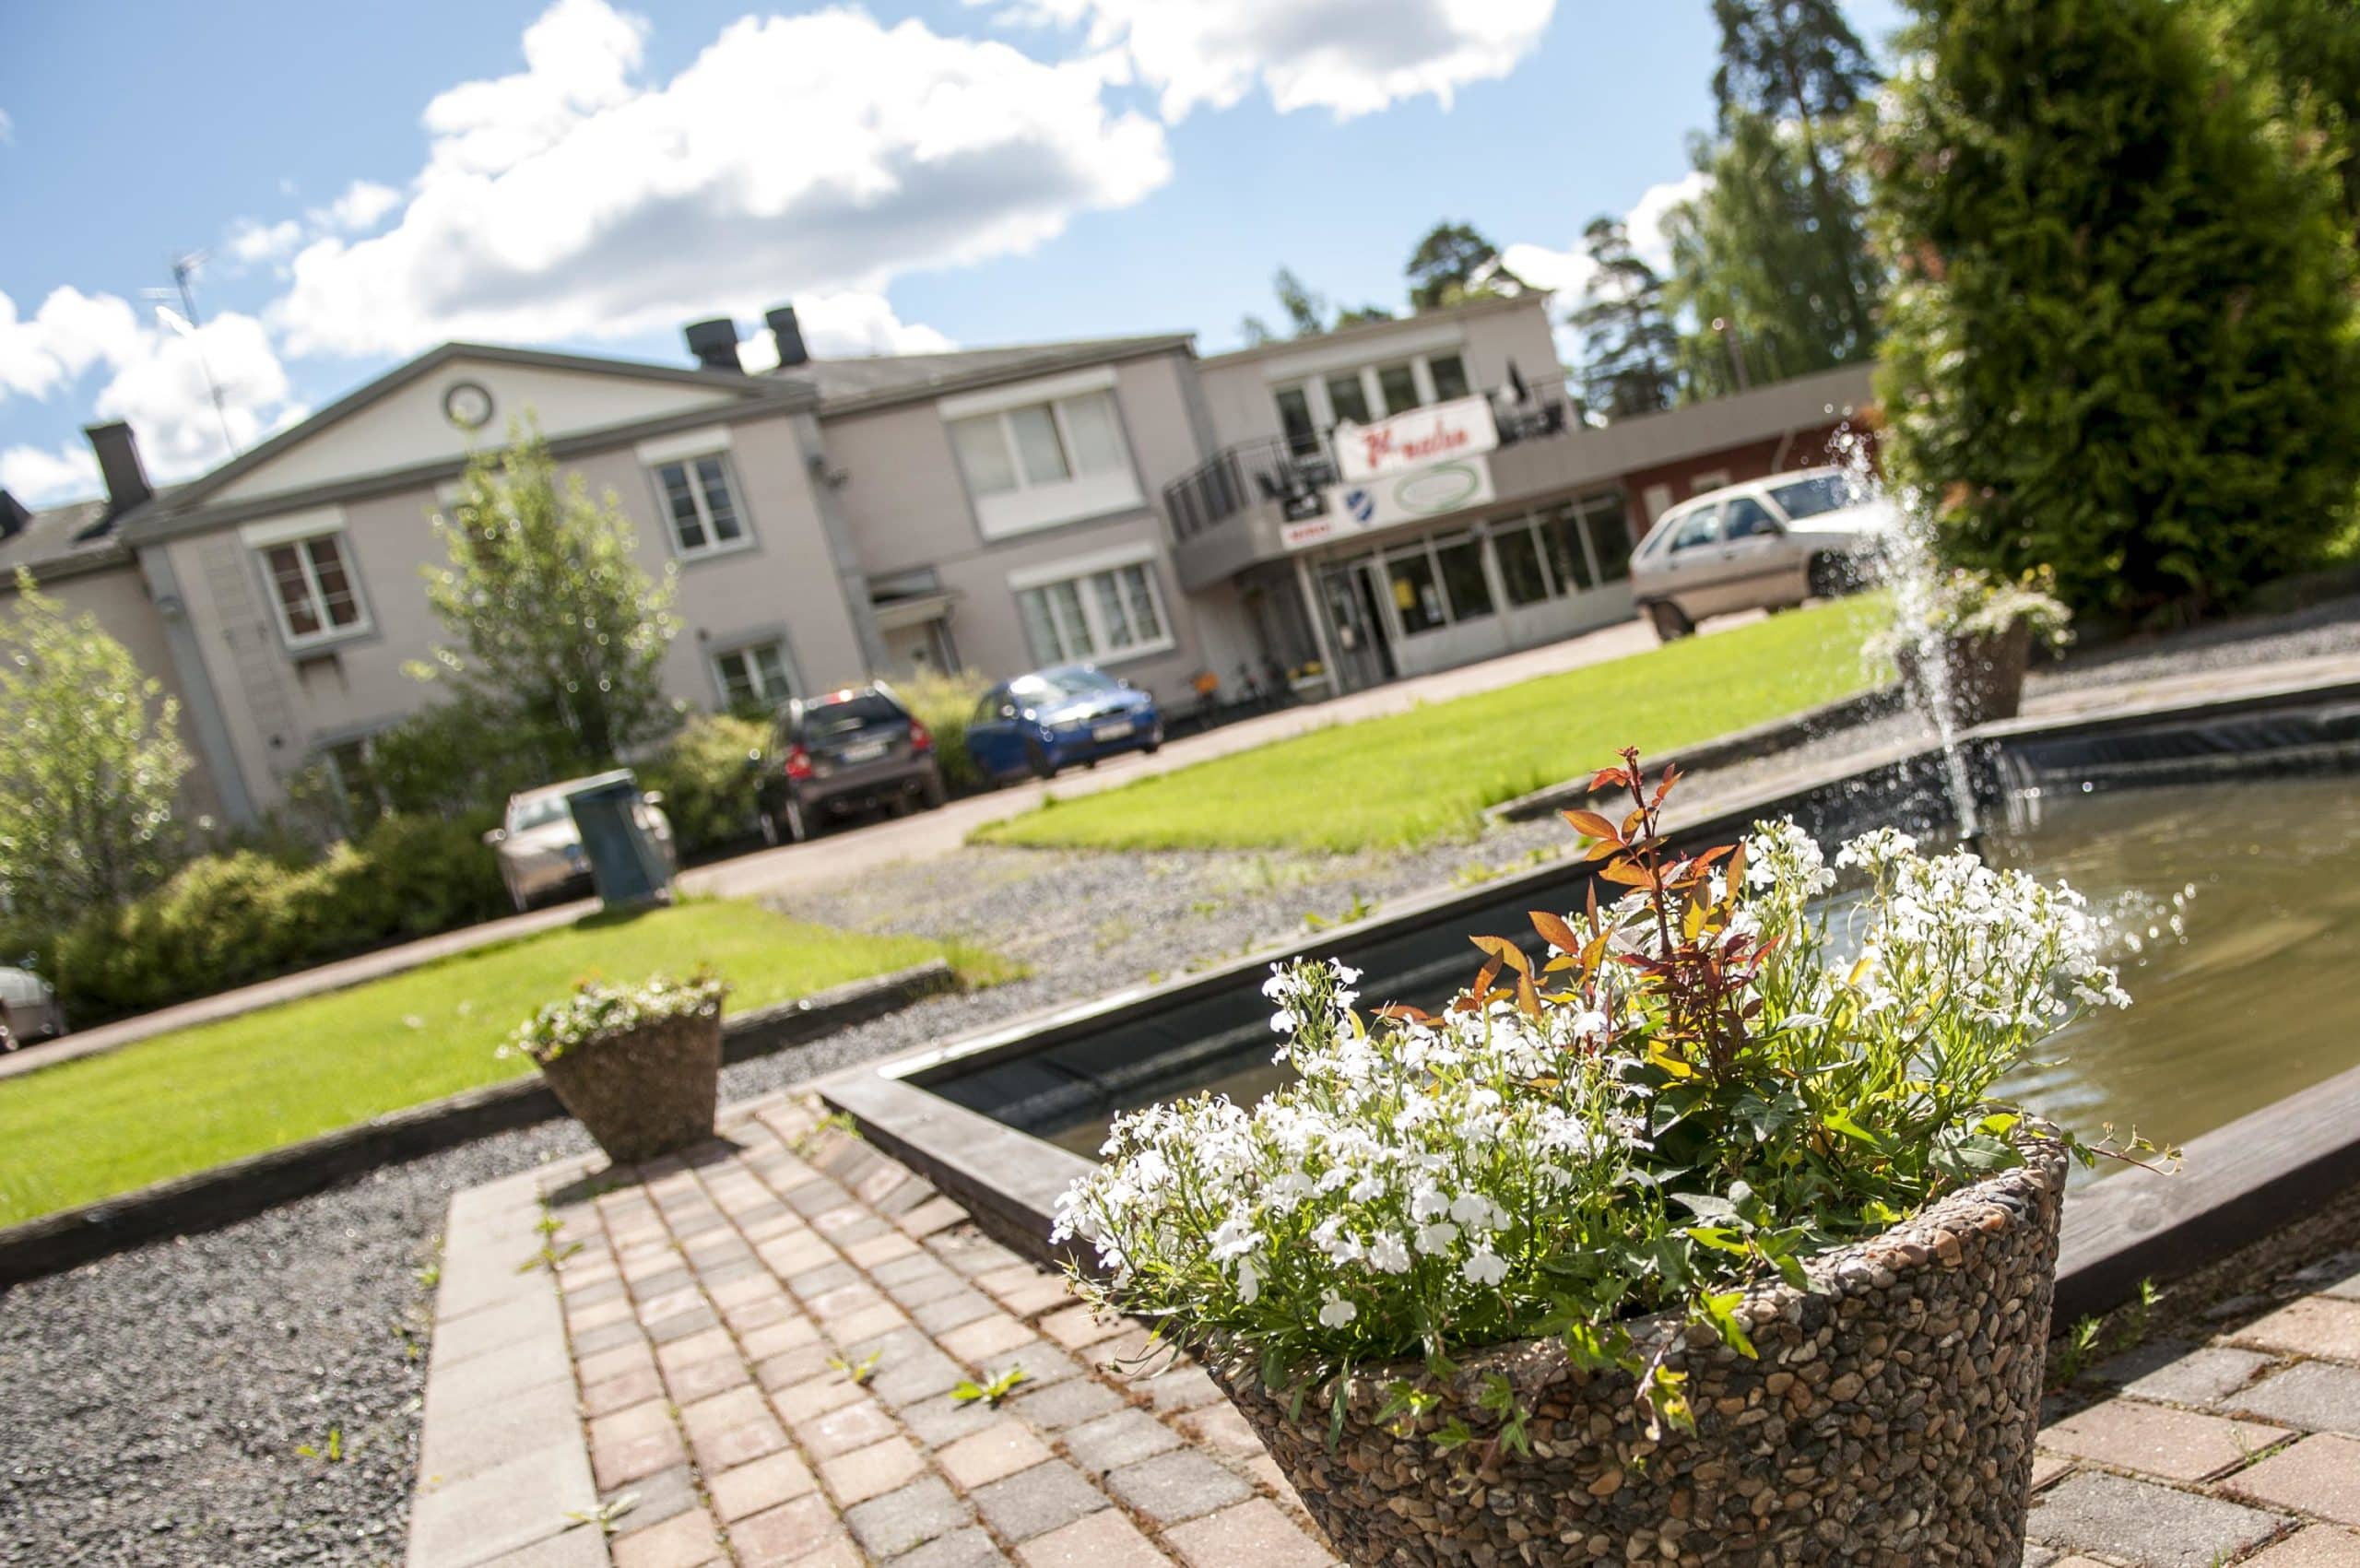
186,323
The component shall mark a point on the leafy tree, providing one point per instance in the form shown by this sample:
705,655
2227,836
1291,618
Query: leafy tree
89,761
2312,47
1628,344
1454,263
2122,338
556,627
1798,63
1748,253
1306,312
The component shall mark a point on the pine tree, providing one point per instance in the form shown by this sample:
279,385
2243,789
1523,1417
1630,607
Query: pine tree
1454,262
2122,340
2312,49
1799,64
90,762
556,624
1628,344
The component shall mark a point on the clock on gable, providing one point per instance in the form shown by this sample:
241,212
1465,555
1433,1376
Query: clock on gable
467,405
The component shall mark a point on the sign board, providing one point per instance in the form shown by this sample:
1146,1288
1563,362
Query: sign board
1462,428
1401,498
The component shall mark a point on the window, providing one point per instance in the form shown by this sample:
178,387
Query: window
314,589
1448,372
1348,398
1711,479
1700,528
1520,570
1562,525
754,678
1461,559
351,765
1041,444
1416,595
1116,613
1609,535
1814,498
1745,517
1294,419
699,504
1397,385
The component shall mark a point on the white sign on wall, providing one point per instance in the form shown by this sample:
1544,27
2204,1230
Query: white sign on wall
1462,428
1400,498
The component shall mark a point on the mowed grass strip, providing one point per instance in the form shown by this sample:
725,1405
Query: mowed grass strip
1410,779
190,1100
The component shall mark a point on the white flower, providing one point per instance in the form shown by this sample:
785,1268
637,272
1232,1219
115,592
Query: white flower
1438,1238
1485,1267
1336,1311
1474,1208
1234,1237
1428,1203
1388,1255
1249,1281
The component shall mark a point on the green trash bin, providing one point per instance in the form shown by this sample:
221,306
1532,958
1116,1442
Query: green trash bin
626,866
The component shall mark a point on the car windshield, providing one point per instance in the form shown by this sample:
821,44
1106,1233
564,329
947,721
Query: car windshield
826,721
537,811
1059,685
1809,498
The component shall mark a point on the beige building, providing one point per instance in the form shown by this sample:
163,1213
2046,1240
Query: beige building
1324,513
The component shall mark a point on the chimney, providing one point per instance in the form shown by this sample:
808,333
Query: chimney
119,466
788,333
13,516
714,343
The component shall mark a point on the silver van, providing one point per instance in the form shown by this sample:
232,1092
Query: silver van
1765,544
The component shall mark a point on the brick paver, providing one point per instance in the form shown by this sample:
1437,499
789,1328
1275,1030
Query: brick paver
759,1347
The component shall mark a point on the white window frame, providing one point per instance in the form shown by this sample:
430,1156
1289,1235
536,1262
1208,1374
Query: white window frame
1313,383
1029,505
1079,571
261,538
688,460
745,651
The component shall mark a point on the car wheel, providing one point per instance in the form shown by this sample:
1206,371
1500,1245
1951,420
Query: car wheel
768,824
1671,622
1154,741
933,793
1037,757
794,825
1833,576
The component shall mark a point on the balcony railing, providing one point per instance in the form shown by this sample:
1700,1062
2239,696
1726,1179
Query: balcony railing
1276,472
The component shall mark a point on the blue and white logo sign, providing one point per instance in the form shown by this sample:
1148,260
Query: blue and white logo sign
1359,505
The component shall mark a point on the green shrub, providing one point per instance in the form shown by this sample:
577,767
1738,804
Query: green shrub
708,788
460,756
229,920
944,703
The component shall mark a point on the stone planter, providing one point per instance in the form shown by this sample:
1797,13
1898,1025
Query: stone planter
1888,1418
1986,674
647,1092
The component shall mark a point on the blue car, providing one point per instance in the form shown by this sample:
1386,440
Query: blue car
1054,718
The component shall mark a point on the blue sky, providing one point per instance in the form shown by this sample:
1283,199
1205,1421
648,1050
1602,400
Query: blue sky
974,173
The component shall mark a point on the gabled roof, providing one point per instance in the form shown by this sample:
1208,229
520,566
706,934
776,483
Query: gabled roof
1482,305
849,386
751,387
60,541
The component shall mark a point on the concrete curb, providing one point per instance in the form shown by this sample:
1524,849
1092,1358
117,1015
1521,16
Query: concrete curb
206,1200
1743,746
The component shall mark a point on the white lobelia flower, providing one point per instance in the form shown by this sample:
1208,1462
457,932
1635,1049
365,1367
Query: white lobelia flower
1428,1203
1484,1268
1437,1238
1249,1281
1476,1210
1387,1255
1336,1311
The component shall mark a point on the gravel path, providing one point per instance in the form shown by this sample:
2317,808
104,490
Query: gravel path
152,1405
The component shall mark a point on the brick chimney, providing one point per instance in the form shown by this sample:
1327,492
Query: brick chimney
119,465
714,343
788,333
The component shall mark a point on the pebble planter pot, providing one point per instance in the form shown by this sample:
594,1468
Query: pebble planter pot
646,1091
1887,1419
1986,674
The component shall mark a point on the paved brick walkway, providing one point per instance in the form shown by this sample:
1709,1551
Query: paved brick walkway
680,1390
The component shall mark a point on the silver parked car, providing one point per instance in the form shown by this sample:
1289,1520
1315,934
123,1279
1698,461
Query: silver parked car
29,1008
1765,544
541,848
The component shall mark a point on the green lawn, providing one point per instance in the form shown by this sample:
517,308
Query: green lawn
184,1102
1411,778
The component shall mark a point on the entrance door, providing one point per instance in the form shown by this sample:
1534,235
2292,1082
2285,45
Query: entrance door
1358,631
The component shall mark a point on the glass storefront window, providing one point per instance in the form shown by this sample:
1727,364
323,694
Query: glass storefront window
1562,526
1449,373
1610,535
1520,569
1397,385
1462,574
1417,597
1347,398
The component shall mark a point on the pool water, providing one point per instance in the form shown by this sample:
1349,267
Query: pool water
2233,910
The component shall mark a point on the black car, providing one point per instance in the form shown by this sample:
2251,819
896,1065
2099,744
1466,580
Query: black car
843,752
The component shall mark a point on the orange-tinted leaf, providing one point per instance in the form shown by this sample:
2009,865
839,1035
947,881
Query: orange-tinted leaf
1555,931
1487,978
1589,824
1628,875
1404,1010
1603,848
1528,999
1504,952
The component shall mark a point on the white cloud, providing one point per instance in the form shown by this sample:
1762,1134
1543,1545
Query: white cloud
813,154
845,326
250,242
1349,56
71,332
362,204
1568,271
41,477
